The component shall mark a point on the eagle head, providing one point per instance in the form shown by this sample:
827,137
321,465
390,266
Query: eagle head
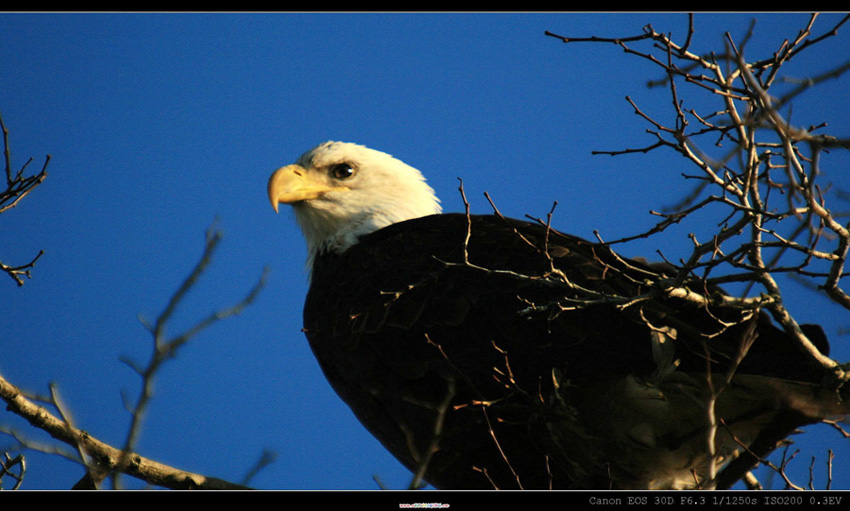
341,191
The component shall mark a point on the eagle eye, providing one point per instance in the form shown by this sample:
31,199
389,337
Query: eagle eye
342,170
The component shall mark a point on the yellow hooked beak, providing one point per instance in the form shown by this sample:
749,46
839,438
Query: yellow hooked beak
292,184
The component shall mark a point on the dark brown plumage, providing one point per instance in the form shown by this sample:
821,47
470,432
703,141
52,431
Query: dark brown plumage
476,359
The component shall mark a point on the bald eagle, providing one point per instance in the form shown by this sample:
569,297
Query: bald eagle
486,352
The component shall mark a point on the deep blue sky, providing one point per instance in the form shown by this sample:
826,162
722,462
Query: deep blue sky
160,125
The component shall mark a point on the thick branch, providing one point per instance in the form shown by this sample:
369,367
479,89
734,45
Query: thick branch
103,454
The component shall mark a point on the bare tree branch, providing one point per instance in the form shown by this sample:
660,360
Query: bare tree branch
18,186
102,460
102,453
773,206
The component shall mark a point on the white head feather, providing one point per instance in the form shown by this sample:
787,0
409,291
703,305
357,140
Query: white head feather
334,208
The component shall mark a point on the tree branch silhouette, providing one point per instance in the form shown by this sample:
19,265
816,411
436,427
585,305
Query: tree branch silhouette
773,206
100,459
18,186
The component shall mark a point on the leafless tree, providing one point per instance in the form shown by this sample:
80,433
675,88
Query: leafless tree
763,178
